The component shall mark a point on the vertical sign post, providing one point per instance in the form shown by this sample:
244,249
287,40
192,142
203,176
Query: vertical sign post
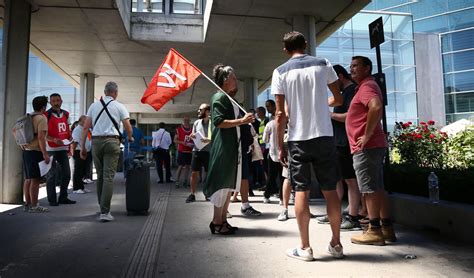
376,39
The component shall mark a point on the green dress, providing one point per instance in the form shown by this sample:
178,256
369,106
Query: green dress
224,158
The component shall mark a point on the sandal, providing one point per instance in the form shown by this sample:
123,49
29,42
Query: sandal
217,229
230,227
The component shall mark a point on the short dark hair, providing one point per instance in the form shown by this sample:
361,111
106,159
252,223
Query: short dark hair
40,102
261,109
271,101
365,61
161,125
54,95
294,41
133,121
341,70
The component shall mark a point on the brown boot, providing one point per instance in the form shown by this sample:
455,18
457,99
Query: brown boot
373,236
389,233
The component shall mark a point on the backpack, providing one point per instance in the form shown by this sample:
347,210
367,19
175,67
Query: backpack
23,130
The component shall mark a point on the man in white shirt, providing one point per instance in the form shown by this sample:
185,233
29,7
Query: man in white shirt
104,117
200,158
302,83
161,144
79,164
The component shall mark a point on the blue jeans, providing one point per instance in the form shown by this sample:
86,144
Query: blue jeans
60,174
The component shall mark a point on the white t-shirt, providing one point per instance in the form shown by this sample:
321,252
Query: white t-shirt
270,138
76,137
303,81
104,125
161,138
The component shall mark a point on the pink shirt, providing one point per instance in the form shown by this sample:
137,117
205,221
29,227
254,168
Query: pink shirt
356,120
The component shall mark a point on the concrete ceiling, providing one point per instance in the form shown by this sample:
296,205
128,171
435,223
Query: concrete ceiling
78,36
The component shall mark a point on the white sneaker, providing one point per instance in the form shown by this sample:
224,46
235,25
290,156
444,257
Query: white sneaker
38,209
336,251
79,191
106,217
87,190
88,181
266,200
283,215
301,254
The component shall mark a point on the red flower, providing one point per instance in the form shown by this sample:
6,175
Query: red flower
430,122
422,123
432,136
444,134
405,125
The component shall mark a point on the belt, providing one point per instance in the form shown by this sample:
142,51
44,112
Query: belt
105,136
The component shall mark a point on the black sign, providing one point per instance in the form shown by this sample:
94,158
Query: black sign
376,33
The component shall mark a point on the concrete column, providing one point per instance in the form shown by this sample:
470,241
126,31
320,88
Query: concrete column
429,83
86,91
306,25
13,92
250,93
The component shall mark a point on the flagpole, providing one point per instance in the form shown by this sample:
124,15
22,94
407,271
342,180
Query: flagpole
220,89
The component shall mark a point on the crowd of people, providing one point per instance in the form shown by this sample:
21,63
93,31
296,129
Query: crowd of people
301,136
235,152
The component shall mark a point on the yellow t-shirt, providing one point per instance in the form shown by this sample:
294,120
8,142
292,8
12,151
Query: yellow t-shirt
40,124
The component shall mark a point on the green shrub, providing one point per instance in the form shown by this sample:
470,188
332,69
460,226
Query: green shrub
460,150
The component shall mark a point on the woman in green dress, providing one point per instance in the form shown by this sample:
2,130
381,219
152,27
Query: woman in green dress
225,161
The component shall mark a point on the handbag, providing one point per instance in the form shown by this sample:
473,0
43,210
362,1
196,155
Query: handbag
257,154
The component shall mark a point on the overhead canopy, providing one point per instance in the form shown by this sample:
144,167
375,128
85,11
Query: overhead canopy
80,36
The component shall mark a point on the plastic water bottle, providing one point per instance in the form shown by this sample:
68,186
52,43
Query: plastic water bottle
433,188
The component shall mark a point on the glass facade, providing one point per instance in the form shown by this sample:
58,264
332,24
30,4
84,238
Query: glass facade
453,20
43,81
397,53
398,60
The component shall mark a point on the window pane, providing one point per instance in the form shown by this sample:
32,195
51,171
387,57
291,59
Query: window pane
153,6
434,24
464,102
402,27
406,105
186,6
405,79
449,103
460,20
458,61
458,40
459,82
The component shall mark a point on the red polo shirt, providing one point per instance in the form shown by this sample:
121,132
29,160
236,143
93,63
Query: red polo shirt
356,119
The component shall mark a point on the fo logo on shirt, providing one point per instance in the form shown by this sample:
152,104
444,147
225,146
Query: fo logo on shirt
62,127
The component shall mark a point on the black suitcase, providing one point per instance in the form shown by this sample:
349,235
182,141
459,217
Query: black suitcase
137,191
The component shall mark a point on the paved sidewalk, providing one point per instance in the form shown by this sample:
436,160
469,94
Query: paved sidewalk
175,241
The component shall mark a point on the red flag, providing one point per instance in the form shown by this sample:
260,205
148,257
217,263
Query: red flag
175,75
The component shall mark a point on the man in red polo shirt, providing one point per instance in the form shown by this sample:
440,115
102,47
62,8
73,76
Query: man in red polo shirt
58,131
368,143
185,148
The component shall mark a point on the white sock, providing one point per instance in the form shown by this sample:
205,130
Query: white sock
245,205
